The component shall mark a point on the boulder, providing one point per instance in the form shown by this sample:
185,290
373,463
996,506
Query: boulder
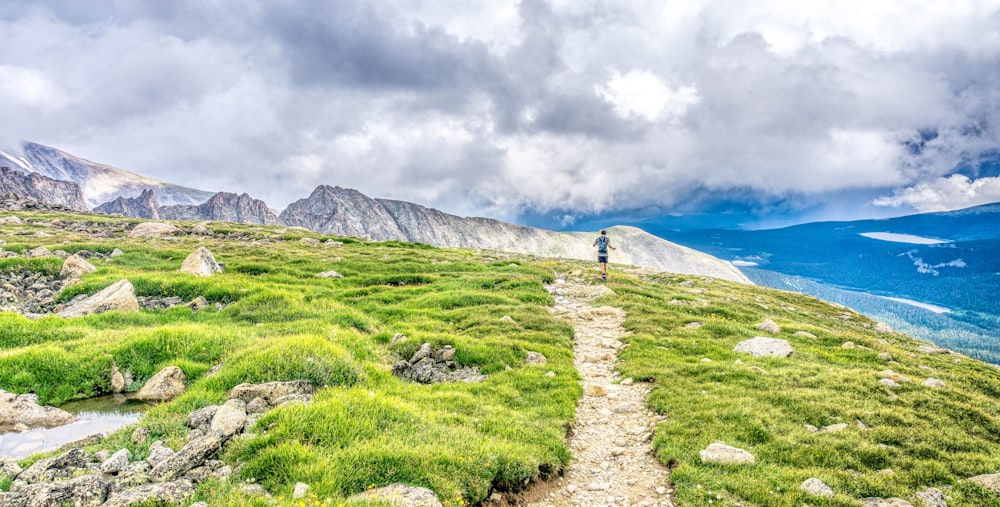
931,497
816,487
399,495
116,462
762,346
330,274
201,419
769,326
88,490
271,391
40,251
190,456
170,493
535,358
75,267
118,296
13,219
164,386
933,383
988,481
154,230
928,349
229,418
59,467
805,334
885,502
300,490
721,453
117,379
24,409
9,468
201,262
158,453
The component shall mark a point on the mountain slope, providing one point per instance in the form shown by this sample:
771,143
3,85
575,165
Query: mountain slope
224,207
41,188
336,210
100,183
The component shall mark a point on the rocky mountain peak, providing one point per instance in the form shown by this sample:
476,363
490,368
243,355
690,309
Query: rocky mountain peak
224,207
143,206
41,188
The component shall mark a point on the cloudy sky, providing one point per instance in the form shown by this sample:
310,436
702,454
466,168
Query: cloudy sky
554,109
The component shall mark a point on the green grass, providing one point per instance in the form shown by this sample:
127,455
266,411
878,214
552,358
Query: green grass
279,321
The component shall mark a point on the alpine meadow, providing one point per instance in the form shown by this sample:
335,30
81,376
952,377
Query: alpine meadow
853,406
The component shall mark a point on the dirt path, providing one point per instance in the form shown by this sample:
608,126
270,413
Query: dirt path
611,439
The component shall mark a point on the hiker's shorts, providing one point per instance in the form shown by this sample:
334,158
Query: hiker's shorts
602,258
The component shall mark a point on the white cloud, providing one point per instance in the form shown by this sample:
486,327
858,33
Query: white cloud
29,88
640,94
945,194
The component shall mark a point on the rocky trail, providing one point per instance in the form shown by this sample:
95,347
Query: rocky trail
611,438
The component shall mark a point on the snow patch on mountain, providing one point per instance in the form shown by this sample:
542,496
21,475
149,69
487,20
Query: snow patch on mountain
904,238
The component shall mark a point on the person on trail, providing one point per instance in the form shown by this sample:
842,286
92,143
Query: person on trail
603,243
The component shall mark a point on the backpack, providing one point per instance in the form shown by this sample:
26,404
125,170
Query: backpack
602,245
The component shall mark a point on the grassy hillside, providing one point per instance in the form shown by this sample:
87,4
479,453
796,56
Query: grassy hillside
280,321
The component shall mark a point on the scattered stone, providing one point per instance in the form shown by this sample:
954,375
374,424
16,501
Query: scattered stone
201,419
885,356
309,241
140,435
229,418
257,406
118,296
170,493
693,325
847,345
399,495
988,481
330,274
931,497
154,230
24,409
889,374
428,366
933,383
89,490
198,304
9,468
158,453
13,219
762,346
201,262
927,349
805,334
833,428
535,358
507,318
769,326
115,253
596,390
117,462
190,456
40,251
888,382
300,490
75,267
164,386
721,453
885,502
816,487
117,379
271,391
883,328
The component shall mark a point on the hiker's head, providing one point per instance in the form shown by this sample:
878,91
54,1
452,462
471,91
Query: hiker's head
603,233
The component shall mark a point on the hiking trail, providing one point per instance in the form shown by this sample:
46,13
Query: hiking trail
611,438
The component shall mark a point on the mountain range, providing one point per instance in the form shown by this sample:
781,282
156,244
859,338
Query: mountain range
341,211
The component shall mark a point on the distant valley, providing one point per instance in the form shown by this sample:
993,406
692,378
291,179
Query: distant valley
934,274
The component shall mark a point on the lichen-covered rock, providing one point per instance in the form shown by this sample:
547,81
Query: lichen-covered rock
88,490
816,487
118,296
116,462
933,383
535,359
769,326
164,386
885,502
271,391
190,456
170,493
201,262
931,497
988,481
229,418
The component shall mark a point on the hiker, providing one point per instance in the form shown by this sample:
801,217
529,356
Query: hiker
603,243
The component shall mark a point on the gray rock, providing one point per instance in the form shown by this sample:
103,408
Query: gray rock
762,346
154,230
933,383
201,419
535,359
135,474
257,406
75,267
271,391
769,326
816,487
88,490
9,468
988,481
40,251
888,382
291,398
399,495
931,497
805,334
928,349
169,492
164,386
300,490
158,453
721,453
885,502
118,296
117,462
117,379
833,428
140,435
425,351
330,274
190,456
229,419
24,409
201,262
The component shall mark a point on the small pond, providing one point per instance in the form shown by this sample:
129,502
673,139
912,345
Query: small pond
100,415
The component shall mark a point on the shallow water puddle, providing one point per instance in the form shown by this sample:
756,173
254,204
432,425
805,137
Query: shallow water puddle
100,415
